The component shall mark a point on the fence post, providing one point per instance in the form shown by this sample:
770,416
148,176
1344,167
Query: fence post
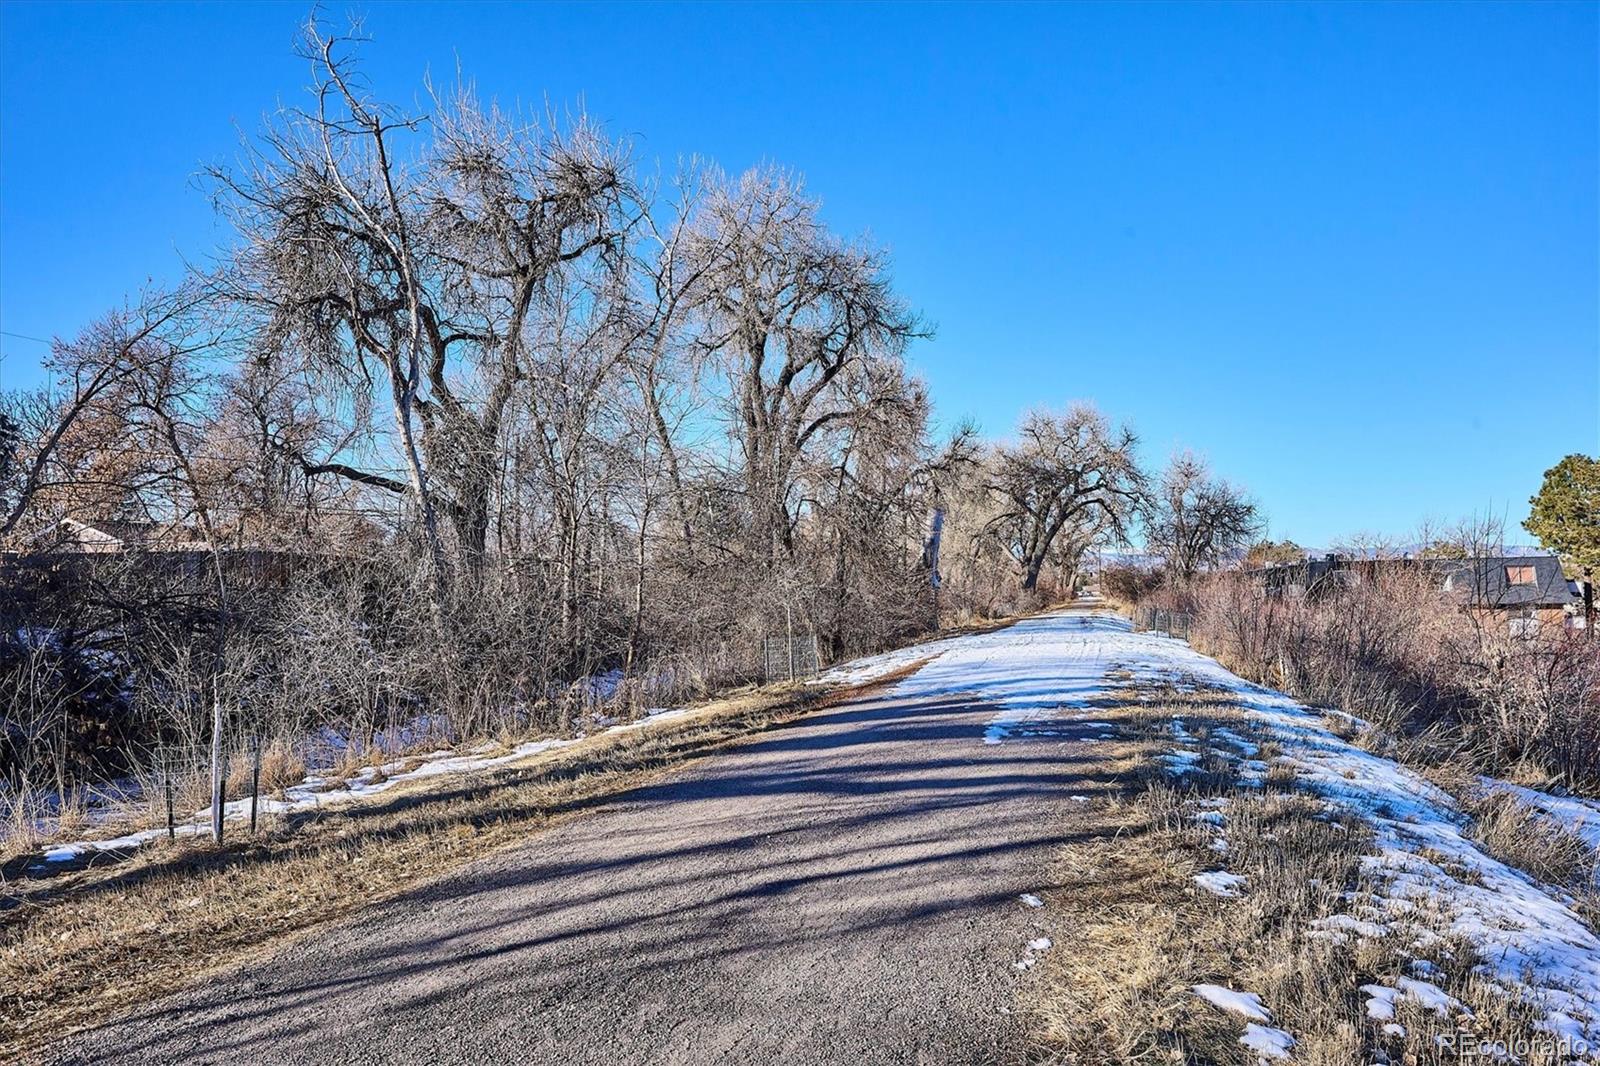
255,781
788,615
172,830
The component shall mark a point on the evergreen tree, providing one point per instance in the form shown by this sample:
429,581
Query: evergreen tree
1566,512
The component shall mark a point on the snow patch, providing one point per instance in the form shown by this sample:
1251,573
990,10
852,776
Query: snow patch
1266,1042
1245,1004
1220,882
323,790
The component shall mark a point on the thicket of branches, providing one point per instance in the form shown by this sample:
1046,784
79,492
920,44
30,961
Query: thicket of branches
499,414
1451,684
1392,644
472,421
473,424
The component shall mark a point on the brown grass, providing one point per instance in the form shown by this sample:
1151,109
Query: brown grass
1521,836
1134,933
121,931
281,766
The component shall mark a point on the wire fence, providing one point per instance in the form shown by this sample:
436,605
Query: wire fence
788,658
1161,620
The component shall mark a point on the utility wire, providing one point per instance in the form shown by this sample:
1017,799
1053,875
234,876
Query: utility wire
23,337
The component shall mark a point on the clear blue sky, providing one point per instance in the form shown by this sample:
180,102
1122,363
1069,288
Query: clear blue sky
1349,252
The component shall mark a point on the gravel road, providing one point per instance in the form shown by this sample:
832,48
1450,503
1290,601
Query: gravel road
843,890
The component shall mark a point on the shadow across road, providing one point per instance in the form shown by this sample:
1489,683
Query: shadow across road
844,889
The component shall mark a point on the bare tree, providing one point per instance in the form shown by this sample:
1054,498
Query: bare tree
429,274
1070,471
1196,520
92,368
806,329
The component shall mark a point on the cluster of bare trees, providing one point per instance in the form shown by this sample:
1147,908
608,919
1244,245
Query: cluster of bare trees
500,413
471,412
1070,483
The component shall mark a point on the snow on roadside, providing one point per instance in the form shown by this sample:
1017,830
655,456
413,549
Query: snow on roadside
1007,668
870,668
323,790
1533,944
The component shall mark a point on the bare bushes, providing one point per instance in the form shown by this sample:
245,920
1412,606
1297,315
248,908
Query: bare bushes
1129,585
109,665
1392,649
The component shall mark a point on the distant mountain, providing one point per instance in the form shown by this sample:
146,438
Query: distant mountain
1139,560
1509,550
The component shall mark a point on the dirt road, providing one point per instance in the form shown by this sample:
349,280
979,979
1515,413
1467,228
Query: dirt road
843,890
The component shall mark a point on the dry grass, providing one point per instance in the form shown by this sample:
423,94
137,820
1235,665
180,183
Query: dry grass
281,766
94,940
1136,932
1520,836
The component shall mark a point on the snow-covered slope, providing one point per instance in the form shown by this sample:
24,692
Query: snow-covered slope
1534,943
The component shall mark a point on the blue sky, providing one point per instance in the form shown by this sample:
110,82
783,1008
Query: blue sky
1349,252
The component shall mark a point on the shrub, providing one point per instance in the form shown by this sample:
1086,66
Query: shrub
1395,651
1129,585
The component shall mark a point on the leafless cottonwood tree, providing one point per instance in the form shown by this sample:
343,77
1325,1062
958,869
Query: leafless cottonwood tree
509,418
1195,519
1071,473
427,276
804,327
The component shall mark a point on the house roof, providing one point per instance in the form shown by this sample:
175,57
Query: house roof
1482,582
1487,582
111,534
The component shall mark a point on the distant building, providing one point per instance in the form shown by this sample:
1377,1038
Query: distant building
170,549
1526,591
110,536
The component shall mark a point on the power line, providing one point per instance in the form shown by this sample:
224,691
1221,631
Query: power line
24,337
